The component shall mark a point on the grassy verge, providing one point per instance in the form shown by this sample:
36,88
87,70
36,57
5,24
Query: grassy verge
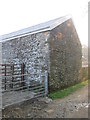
65,92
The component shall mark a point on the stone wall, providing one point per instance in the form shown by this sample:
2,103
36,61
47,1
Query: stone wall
32,50
0,81
57,51
65,56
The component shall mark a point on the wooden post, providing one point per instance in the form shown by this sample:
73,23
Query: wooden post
22,74
12,68
5,76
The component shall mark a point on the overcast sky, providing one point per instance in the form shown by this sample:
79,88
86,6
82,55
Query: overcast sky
19,14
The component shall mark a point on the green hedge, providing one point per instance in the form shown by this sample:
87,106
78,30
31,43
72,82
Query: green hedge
83,73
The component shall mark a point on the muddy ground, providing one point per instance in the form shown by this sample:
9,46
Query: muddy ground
73,106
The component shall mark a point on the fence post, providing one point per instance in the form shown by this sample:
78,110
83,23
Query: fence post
12,68
46,83
22,74
5,76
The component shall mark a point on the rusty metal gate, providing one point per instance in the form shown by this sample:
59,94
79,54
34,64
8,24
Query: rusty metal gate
14,87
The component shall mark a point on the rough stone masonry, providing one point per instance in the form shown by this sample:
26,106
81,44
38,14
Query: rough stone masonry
53,46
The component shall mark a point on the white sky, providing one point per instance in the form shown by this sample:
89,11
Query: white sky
19,14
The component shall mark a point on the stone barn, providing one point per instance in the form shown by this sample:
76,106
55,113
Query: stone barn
53,47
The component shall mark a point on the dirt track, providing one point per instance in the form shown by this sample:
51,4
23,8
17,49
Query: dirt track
73,106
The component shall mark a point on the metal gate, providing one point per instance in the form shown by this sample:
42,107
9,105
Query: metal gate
14,87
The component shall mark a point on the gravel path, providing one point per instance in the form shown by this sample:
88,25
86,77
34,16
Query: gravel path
73,106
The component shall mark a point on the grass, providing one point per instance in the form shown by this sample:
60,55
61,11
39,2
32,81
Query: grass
65,92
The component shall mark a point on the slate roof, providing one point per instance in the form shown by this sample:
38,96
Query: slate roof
35,29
